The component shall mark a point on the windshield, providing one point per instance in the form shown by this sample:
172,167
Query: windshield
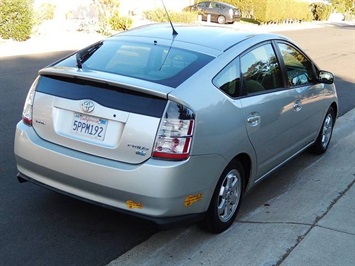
157,63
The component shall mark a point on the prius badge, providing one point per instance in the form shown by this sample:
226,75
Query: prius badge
87,106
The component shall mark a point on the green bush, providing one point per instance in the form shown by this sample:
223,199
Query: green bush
159,15
321,11
106,10
16,19
118,22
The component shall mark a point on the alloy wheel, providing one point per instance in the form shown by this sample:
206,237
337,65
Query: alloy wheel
229,195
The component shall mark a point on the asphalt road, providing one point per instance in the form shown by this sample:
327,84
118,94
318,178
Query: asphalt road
41,227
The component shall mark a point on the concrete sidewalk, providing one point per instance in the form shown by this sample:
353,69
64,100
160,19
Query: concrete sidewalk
312,223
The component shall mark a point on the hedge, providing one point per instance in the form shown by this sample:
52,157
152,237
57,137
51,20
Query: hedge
159,15
273,11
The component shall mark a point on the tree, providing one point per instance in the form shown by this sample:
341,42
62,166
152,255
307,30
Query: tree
342,6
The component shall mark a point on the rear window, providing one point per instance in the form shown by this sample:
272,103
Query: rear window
152,62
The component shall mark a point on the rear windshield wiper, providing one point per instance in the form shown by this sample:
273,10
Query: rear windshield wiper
84,54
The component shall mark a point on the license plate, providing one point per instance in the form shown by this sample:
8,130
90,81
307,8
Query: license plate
89,126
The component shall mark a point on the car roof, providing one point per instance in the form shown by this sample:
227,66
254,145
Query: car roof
213,37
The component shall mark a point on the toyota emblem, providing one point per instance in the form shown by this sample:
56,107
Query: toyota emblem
87,106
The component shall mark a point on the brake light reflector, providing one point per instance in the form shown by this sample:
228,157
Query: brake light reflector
27,109
175,133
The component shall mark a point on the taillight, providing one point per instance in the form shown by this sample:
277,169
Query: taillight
27,109
231,12
174,138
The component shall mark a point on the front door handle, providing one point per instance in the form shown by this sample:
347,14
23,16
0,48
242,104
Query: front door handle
297,105
254,119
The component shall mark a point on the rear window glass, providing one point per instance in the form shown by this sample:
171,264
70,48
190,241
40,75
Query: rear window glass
152,62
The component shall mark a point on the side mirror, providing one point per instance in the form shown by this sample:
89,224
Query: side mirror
300,79
325,77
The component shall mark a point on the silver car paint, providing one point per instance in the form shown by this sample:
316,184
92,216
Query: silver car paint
160,186
125,131
279,122
302,127
222,39
221,134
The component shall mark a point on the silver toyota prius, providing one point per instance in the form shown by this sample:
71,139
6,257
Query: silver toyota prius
173,124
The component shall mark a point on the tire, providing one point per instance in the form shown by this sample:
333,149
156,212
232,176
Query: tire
322,142
221,20
226,199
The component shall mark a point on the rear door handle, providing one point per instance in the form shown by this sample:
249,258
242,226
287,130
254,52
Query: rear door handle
254,119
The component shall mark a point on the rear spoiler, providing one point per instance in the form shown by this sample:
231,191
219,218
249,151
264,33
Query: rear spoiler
129,83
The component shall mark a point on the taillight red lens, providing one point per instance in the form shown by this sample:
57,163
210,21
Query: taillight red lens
27,109
174,138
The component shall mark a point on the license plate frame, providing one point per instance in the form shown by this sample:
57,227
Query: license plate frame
88,126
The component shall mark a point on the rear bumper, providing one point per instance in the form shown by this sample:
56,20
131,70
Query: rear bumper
163,223
233,18
156,190
236,18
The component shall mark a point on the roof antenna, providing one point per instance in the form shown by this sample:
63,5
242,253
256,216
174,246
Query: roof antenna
174,31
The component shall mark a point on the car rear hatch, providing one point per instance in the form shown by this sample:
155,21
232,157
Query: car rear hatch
109,99
94,116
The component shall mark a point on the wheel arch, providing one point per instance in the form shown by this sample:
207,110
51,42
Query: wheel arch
246,163
335,109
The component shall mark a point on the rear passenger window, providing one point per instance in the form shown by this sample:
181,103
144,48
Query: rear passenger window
228,80
260,70
202,5
299,69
